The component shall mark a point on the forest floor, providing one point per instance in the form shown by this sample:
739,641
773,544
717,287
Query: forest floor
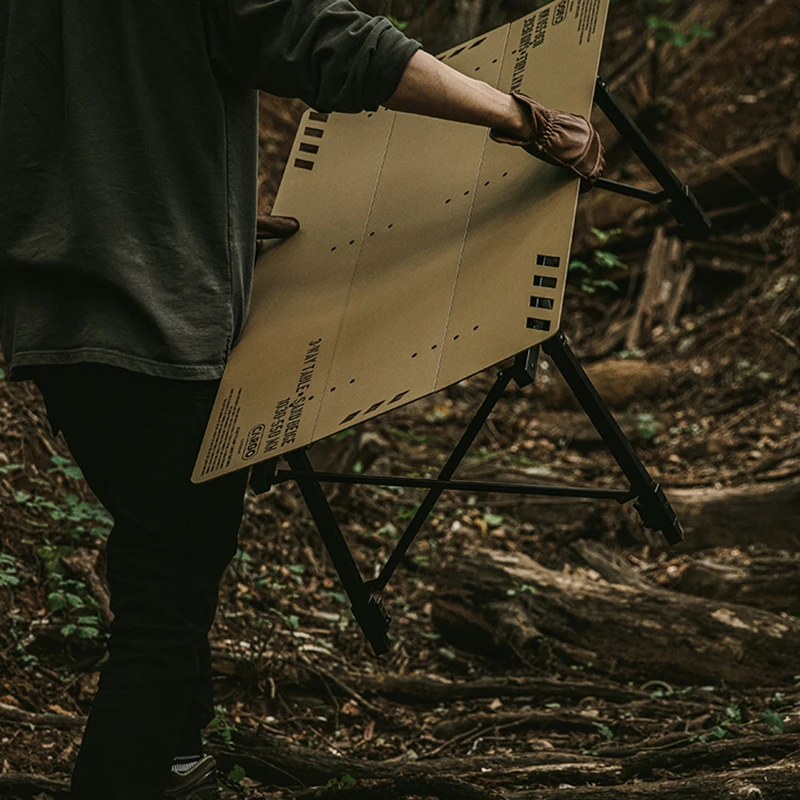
608,665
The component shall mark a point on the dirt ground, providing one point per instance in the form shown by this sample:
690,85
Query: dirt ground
702,372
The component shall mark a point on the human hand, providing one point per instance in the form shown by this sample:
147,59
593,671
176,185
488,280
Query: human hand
272,227
558,137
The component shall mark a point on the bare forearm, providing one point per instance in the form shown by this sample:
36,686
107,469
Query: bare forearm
433,89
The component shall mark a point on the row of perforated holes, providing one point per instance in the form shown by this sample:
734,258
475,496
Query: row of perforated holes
308,147
546,282
374,407
390,226
455,339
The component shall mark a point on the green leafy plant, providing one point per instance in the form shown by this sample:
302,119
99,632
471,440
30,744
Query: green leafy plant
405,512
648,427
65,467
479,454
590,272
664,29
290,620
774,720
86,627
237,773
521,460
604,731
523,589
717,732
66,599
667,31
71,510
220,726
8,571
734,713
746,369
340,783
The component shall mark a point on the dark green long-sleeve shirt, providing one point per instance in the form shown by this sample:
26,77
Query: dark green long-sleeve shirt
128,165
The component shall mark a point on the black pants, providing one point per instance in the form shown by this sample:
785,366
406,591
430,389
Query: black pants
136,437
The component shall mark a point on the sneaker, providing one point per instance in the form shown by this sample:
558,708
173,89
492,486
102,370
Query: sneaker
199,783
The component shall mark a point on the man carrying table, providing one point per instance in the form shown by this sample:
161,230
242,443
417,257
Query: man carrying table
128,164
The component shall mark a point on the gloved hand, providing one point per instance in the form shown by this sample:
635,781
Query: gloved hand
271,227
560,138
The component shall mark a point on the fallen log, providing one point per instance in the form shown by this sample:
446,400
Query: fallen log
775,782
620,383
764,582
409,689
736,516
666,281
708,755
610,566
506,605
740,516
277,762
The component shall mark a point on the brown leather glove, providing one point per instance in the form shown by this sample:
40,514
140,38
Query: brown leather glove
560,138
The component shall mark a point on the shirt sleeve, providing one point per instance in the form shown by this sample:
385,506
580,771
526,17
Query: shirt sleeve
326,52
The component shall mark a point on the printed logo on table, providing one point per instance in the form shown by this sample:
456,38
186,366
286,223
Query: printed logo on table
253,441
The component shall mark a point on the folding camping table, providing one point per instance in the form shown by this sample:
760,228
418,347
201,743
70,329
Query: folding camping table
427,253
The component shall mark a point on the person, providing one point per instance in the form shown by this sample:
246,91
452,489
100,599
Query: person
128,229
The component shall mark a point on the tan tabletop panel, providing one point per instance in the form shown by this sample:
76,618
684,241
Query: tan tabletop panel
427,252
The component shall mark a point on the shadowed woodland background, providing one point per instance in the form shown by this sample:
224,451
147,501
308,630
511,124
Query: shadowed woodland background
542,649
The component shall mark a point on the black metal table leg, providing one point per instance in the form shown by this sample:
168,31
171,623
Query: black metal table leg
680,199
652,504
367,608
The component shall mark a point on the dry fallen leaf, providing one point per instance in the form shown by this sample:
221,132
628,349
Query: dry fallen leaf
351,709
